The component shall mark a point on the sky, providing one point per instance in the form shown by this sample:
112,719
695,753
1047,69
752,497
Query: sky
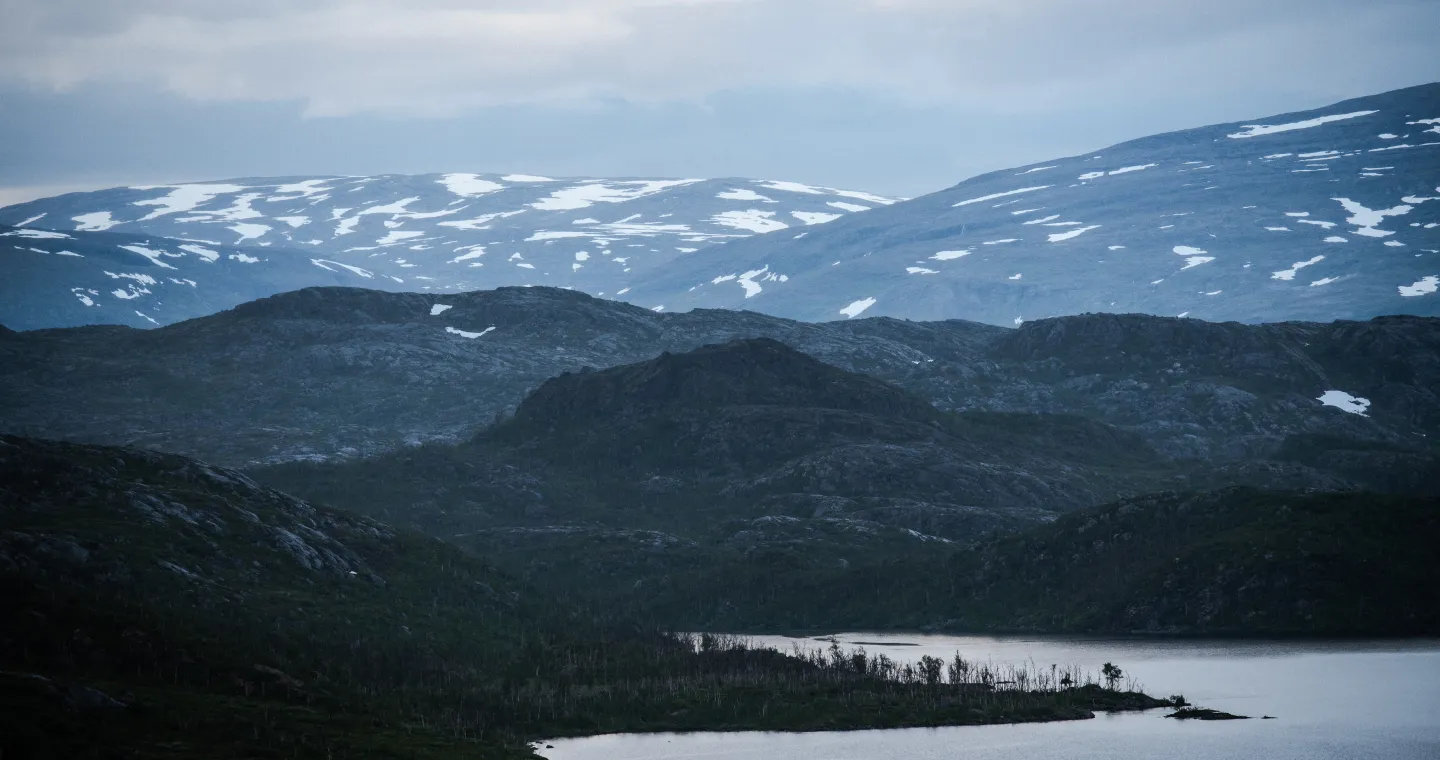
899,97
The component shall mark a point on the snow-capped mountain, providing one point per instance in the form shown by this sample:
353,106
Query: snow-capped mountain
1319,215
208,246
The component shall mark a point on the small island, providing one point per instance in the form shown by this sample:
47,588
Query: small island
1204,713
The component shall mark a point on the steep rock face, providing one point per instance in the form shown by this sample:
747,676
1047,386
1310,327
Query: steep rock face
1319,215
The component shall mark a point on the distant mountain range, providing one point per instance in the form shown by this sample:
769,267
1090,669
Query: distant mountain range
144,256
1326,214
1318,215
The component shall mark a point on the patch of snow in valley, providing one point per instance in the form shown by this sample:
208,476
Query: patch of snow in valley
249,231
1365,219
590,193
557,235
993,196
357,270
1421,287
480,222
1000,241
753,220
439,308
156,257
298,190
1289,274
814,217
950,255
856,307
182,198
743,194
398,236
790,187
469,185
921,270
1345,402
1258,130
96,221
470,335
843,206
1059,236
36,234
1121,170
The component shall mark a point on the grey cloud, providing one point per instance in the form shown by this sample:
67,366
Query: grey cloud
438,57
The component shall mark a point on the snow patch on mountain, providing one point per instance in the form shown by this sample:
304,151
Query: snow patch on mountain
1260,130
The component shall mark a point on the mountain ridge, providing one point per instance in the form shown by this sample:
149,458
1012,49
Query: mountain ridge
370,371
436,232
1315,218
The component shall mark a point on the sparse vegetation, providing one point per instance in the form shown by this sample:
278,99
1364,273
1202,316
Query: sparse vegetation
168,609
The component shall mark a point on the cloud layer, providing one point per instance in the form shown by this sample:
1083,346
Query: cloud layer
440,57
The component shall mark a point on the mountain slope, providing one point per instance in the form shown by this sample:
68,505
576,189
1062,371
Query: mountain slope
737,431
69,279
433,232
1231,562
1228,561
336,373
158,607
1318,215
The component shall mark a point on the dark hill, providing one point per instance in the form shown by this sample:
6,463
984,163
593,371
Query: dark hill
750,372
1230,561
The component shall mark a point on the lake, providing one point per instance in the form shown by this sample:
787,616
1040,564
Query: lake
1332,700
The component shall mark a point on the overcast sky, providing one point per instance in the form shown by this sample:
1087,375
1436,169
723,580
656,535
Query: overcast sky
891,96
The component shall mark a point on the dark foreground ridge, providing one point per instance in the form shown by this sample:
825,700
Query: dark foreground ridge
160,607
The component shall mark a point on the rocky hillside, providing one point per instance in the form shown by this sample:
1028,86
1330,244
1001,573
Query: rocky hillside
340,373
1233,561
685,485
744,430
160,607
1326,214
1229,562
136,582
195,249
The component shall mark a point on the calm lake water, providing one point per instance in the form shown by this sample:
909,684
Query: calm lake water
1332,700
